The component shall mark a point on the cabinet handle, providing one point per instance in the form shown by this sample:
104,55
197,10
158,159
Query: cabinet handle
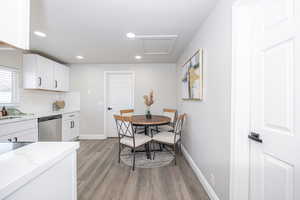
56,84
40,81
15,139
71,124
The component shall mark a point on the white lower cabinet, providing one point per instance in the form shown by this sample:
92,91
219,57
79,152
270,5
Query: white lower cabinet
58,182
70,126
27,136
22,131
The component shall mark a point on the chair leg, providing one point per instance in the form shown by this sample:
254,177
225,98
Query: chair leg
149,144
180,151
153,151
175,154
133,164
119,153
160,147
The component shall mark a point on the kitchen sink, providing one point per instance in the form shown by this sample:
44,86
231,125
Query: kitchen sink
9,117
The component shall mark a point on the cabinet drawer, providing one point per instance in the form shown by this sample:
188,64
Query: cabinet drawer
30,135
70,116
11,128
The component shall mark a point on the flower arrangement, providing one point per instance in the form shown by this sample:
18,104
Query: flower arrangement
149,101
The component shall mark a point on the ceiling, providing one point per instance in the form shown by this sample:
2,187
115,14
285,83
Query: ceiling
96,29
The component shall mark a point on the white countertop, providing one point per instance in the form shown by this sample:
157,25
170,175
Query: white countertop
19,118
36,116
61,112
20,166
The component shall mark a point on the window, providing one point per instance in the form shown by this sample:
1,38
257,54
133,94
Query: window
8,86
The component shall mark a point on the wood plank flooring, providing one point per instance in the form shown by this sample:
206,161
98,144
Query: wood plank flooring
101,177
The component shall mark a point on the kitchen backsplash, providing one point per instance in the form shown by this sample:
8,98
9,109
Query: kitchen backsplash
32,101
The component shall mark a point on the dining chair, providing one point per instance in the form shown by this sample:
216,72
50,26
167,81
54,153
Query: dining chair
171,113
130,113
127,136
171,138
127,112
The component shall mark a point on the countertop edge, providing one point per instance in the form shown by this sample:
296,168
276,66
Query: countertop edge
16,184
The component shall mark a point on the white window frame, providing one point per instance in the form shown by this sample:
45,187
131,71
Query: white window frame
15,87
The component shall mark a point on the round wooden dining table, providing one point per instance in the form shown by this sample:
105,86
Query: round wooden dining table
154,121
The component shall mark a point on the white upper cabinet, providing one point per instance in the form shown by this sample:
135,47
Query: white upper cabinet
45,74
15,22
66,83
59,76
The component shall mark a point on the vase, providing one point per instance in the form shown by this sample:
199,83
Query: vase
148,113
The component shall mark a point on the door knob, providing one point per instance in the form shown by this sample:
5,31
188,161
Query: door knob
109,108
255,137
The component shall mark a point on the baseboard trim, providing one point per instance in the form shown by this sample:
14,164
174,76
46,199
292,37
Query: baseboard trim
210,191
92,137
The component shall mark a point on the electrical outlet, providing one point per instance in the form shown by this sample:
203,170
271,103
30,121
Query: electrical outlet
212,180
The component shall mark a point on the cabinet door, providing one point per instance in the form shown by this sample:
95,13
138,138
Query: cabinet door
45,73
5,138
67,130
30,135
75,128
59,75
66,82
14,22
27,136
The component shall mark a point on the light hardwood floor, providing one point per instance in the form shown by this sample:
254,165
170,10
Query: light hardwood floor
101,177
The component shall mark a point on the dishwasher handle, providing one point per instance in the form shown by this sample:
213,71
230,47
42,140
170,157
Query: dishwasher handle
48,118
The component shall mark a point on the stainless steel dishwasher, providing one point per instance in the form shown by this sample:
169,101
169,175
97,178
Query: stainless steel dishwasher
50,128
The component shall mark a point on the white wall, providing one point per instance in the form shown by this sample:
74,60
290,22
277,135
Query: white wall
207,135
88,79
11,58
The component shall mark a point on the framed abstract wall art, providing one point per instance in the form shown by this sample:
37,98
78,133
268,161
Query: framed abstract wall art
192,77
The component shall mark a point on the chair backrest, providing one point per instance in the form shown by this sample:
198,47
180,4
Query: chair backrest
179,124
127,112
172,113
124,126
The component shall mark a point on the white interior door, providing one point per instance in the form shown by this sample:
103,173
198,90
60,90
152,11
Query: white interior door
119,95
275,102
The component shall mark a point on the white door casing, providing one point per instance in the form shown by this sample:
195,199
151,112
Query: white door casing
275,165
118,94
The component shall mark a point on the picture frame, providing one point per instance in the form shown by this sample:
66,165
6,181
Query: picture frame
192,77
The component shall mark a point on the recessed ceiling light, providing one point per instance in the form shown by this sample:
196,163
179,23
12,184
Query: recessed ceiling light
130,35
40,34
138,57
79,57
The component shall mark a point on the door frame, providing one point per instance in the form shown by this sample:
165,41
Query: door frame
240,103
106,73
